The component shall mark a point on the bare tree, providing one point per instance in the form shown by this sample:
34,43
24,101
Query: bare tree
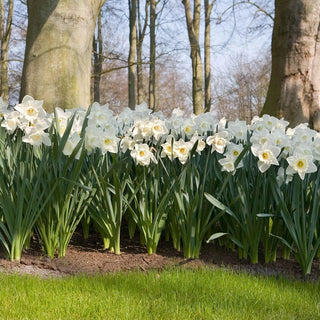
207,53
141,32
97,60
152,73
241,91
132,52
5,33
193,25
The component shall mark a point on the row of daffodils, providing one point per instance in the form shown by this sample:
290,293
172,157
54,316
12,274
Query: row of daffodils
251,188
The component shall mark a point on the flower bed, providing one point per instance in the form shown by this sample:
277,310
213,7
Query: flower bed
189,179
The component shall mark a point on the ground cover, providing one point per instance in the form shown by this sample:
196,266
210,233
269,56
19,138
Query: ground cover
169,294
89,257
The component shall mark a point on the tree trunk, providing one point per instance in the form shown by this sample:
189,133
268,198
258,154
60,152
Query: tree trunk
193,25
152,71
294,89
98,60
141,34
132,53
57,66
207,62
5,38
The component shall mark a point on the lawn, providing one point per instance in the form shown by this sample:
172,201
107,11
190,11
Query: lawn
169,294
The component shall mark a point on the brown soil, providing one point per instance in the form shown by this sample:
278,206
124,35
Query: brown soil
88,257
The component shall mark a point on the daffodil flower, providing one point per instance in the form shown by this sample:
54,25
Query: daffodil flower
267,155
301,164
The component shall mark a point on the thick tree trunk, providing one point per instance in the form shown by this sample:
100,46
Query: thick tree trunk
294,89
5,35
207,61
132,53
152,71
193,25
57,66
98,60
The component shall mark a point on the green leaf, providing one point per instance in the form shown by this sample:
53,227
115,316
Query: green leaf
216,236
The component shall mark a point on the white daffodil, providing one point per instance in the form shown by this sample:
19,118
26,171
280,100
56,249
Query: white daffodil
316,148
269,122
201,143
99,115
234,150
283,177
167,149
142,130
36,137
142,154
177,112
159,129
182,150
175,122
218,141
109,143
188,128
70,145
38,124
231,155
257,124
11,121
303,136
261,137
3,108
267,155
93,138
279,138
127,143
238,129
142,110
62,117
227,164
281,124
301,163
125,120
31,109
205,122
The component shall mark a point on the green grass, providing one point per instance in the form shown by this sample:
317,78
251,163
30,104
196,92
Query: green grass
170,294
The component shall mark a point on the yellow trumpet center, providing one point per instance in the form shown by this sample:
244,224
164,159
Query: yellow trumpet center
31,111
300,164
220,142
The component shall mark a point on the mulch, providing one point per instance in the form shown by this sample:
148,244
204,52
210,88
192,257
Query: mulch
87,256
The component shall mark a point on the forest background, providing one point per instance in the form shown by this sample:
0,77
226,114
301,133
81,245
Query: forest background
240,42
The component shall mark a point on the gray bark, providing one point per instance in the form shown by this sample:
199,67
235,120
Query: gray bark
207,61
5,34
57,67
98,60
193,25
132,53
294,89
152,71
140,37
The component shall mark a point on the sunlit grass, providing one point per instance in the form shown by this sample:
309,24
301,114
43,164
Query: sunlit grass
170,294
